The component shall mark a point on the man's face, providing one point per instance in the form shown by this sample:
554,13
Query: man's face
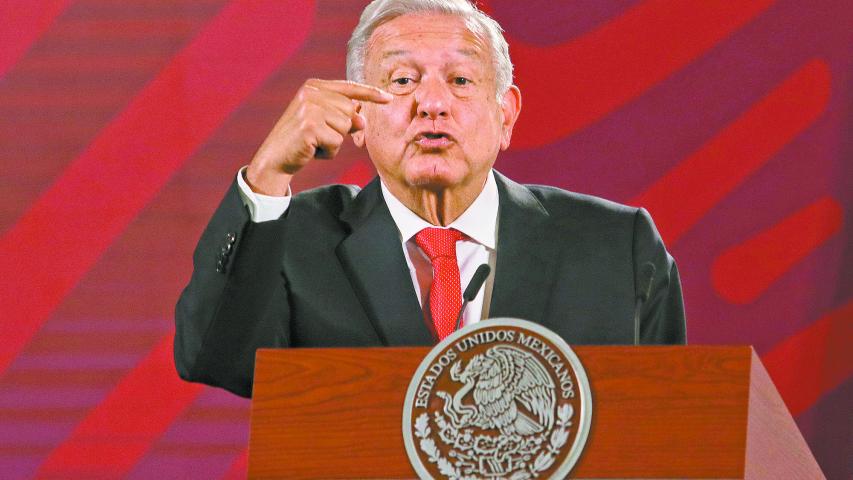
445,126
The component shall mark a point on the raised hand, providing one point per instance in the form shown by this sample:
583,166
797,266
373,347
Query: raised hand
314,125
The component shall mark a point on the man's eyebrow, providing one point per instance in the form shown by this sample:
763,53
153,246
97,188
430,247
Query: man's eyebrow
468,52
394,53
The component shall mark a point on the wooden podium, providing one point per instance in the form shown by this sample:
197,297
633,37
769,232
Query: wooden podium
658,412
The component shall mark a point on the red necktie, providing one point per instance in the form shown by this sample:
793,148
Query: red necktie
445,294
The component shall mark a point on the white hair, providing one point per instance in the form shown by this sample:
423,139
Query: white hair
381,11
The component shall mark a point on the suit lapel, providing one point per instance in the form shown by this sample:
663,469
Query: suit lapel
526,255
372,258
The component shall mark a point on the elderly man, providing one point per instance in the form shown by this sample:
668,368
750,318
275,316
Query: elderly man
431,98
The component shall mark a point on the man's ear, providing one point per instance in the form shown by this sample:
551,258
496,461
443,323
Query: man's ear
510,107
358,130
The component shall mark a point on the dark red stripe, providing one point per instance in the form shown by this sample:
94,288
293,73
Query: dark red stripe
115,435
743,272
68,228
359,173
571,85
239,468
22,25
686,193
814,361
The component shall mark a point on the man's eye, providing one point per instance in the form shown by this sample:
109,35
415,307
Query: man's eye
461,81
402,81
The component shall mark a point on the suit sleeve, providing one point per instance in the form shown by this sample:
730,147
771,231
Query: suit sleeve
662,317
235,302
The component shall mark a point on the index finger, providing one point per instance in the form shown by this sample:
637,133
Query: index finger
357,91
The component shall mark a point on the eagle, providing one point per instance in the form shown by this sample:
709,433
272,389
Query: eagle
503,379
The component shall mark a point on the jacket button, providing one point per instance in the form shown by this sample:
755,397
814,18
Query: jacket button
220,266
230,237
225,250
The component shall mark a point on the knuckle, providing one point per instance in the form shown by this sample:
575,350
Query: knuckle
333,139
301,95
306,126
308,91
302,114
305,151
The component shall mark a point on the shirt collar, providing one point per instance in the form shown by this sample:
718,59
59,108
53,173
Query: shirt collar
478,221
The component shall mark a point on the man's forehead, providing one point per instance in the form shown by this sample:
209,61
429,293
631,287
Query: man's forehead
402,35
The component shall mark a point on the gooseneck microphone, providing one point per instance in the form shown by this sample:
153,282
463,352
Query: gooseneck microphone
473,288
644,289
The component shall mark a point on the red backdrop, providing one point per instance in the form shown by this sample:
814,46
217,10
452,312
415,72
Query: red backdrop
122,124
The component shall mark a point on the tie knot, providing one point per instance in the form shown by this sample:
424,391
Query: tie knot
439,242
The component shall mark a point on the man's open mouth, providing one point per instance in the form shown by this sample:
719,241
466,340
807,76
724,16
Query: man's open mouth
433,140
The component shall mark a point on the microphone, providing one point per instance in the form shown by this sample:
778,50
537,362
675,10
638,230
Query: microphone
644,289
473,288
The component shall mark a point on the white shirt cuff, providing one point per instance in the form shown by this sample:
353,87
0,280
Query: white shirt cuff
262,208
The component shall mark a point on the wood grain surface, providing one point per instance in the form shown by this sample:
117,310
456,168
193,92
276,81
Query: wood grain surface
331,413
658,412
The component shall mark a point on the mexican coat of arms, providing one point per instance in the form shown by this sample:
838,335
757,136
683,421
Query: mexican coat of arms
501,399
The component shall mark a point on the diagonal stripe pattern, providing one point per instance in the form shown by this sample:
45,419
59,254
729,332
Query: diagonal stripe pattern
781,101
135,155
704,178
613,64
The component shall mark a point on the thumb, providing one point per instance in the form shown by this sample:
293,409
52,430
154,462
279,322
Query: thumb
358,123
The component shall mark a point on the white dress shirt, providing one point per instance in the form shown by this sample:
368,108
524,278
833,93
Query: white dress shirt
479,222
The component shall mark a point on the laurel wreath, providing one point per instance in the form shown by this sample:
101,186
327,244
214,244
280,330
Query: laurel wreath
422,431
558,438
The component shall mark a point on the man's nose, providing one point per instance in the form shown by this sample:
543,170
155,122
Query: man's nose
433,99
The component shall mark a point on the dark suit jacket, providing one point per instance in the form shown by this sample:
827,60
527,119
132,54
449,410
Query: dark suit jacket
331,272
